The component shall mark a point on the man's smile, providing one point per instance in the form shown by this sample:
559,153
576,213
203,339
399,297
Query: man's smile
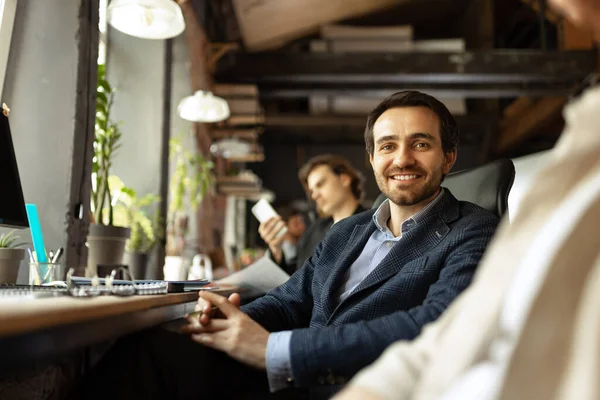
404,177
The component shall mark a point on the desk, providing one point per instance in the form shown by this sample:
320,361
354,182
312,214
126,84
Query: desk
41,329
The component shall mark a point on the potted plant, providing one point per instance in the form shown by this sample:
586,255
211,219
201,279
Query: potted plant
192,178
134,212
105,241
10,257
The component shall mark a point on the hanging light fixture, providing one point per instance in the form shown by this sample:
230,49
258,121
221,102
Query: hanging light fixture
147,19
203,107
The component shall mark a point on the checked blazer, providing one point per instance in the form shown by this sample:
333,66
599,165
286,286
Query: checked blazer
432,263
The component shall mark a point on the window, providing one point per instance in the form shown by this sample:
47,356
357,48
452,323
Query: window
102,26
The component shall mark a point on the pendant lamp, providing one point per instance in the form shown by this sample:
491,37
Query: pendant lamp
203,106
147,19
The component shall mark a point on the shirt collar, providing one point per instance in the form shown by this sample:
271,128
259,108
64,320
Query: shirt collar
383,214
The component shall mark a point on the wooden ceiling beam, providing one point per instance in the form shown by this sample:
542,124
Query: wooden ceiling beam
528,118
356,70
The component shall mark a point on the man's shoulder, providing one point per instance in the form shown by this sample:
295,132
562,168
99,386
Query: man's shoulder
356,219
348,224
472,214
458,213
471,209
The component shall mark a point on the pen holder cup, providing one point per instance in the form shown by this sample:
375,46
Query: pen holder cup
41,273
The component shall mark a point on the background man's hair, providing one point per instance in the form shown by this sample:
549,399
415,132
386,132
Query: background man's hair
338,165
411,98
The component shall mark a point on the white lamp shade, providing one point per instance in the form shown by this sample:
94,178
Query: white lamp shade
147,19
203,107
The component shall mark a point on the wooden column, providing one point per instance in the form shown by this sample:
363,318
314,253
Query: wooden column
198,52
85,111
164,154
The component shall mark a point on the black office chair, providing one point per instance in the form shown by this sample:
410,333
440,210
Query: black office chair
487,186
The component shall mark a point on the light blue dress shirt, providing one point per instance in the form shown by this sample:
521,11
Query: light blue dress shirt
278,357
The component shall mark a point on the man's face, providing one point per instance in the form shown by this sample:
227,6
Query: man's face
327,189
584,14
408,160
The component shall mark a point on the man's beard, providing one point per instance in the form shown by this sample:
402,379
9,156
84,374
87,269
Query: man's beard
414,194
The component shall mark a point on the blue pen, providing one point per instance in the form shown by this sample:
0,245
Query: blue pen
36,236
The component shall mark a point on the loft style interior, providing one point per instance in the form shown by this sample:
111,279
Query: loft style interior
176,117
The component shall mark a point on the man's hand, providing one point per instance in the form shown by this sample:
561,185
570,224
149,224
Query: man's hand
269,232
207,310
237,335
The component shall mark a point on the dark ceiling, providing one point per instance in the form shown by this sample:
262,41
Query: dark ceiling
512,53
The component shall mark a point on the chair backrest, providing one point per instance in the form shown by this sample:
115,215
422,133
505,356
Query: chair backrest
487,186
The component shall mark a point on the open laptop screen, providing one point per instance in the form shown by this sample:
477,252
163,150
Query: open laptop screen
12,204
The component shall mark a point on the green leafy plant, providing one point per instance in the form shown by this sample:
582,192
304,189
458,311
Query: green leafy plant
136,213
10,241
106,141
192,178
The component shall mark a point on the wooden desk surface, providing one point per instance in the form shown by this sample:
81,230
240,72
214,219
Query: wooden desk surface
35,330
23,316
32,330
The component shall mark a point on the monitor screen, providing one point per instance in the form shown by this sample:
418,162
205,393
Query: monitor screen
12,204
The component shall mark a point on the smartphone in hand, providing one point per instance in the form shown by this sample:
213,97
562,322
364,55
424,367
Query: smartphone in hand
263,211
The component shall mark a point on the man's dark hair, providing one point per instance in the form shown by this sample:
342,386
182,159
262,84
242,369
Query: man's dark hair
411,98
338,165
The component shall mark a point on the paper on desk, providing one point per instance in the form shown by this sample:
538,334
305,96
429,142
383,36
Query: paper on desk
258,278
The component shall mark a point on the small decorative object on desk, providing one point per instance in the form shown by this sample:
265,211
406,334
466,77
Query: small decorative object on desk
201,268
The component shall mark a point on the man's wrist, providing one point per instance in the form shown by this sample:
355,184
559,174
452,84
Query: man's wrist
276,254
278,360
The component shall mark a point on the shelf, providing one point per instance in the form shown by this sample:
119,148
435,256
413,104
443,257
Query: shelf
247,134
248,158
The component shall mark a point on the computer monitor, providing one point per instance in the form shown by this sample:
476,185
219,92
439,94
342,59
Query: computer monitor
12,203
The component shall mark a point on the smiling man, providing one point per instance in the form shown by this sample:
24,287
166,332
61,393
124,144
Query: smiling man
377,277
528,327
410,154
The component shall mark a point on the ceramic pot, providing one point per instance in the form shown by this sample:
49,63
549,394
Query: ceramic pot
10,260
137,264
106,246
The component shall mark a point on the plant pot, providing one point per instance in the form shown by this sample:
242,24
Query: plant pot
106,246
137,264
10,260
175,269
